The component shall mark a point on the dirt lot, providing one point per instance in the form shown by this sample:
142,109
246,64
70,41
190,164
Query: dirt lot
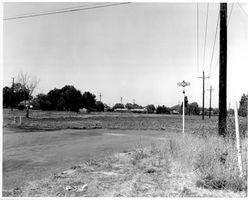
32,155
51,142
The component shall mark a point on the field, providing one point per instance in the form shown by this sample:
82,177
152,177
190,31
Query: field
119,154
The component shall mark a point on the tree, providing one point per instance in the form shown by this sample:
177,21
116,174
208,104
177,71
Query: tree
20,93
54,98
150,108
88,101
70,97
44,102
7,96
129,106
118,105
186,101
162,110
243,109
28,84
99,106
193,108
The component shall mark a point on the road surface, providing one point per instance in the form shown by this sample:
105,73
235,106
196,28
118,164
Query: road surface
29,156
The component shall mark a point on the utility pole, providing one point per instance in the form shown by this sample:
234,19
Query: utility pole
203,94
210,108
183,84
133,101
121,100
100,96
12,94
223,71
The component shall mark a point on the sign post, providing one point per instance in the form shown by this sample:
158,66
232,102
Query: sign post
183,84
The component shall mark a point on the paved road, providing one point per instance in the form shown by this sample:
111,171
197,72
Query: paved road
32,155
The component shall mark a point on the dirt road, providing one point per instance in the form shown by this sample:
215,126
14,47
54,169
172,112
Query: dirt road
32,155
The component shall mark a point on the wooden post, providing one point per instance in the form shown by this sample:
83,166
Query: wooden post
203,95
223,71
238,140
210,108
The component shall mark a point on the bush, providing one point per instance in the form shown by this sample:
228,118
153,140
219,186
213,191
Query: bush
162,110
21,107
243,105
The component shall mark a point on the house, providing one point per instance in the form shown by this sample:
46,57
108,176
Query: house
139,110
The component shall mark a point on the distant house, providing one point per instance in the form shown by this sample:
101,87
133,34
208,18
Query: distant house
139,110
175,112
121,110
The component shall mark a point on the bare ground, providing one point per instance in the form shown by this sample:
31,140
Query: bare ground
138,173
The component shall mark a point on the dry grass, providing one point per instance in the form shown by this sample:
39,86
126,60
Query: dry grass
214,161
185,166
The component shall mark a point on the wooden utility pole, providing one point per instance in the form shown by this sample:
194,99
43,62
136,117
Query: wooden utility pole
210,108
12,93
100,95
203,95
223,71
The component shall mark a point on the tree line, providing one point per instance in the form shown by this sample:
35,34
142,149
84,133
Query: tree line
68,98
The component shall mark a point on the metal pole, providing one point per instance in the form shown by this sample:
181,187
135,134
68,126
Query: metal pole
183,84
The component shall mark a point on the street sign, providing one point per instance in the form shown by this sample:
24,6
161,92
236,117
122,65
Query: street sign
183,84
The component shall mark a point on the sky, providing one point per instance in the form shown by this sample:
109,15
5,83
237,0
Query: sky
136,51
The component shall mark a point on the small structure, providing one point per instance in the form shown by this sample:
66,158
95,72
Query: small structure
175,112
121,110
139,110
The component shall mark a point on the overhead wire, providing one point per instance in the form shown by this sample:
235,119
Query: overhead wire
198,39
242,8
215,37
204,52
228,21
56,10
65,10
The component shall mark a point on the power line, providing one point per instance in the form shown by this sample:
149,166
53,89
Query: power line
242,9
74,9
205,37
215,37
216,64
231,10
198,39
58,10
